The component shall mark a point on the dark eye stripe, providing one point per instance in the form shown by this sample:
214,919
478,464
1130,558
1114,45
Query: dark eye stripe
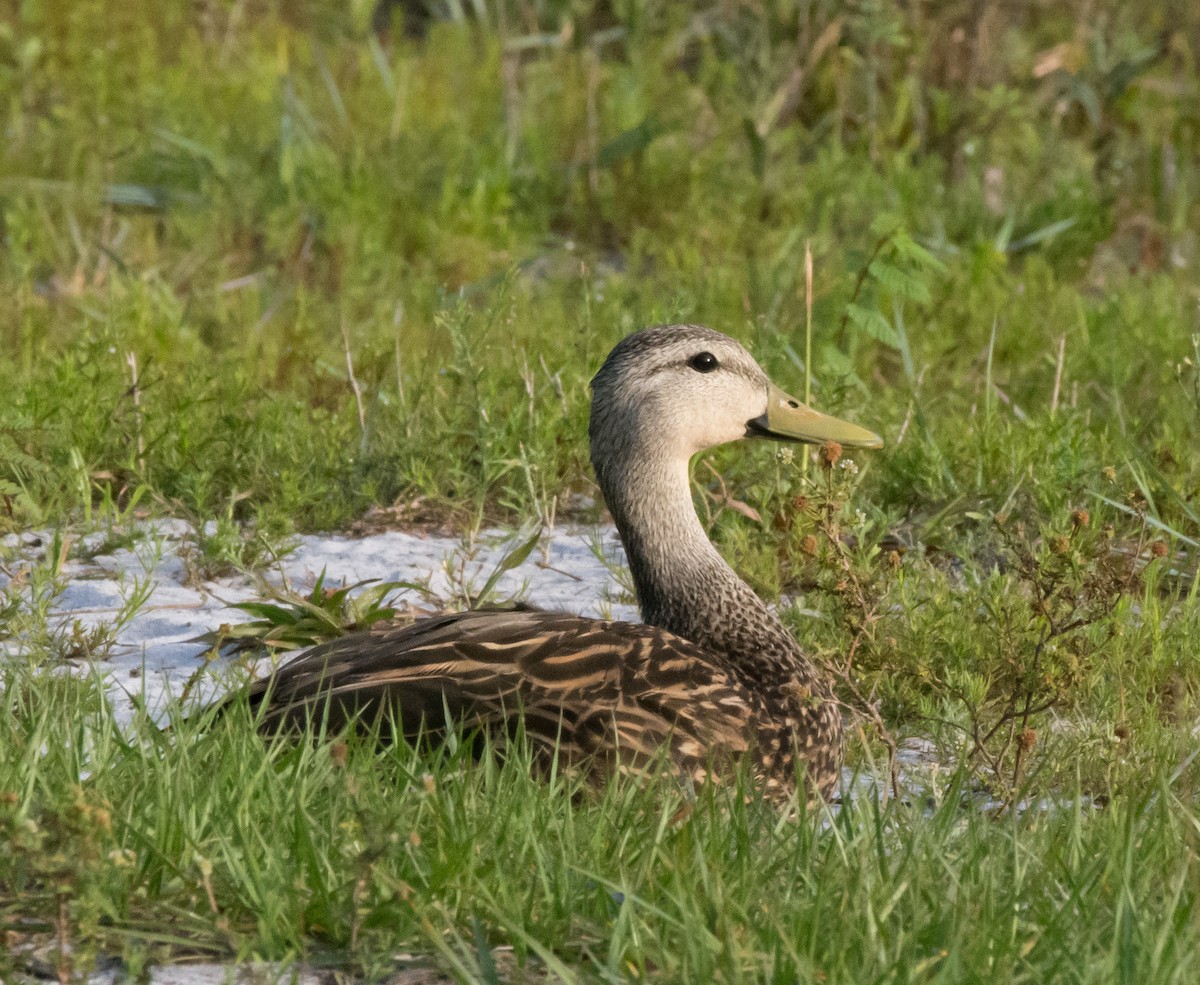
704,362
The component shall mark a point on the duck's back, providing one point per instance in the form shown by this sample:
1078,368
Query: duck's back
610,693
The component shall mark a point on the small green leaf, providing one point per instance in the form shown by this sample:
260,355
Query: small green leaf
630,142
870,321
898,282
907,248
515,557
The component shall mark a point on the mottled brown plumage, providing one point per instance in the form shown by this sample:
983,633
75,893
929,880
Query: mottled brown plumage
710,677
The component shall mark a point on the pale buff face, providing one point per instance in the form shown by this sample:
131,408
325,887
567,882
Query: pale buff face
687,387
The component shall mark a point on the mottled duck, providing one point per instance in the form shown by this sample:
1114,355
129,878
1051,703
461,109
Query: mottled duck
710,676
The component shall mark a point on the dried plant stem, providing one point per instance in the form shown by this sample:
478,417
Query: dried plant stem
592,152
358,397
861,610
397,323
135,392
1058,370
510,74
63,962
808,306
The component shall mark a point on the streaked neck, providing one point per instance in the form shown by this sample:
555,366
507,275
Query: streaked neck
683,583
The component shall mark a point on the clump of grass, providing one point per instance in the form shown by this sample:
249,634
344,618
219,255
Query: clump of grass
289,621
463,573
40,629
223,547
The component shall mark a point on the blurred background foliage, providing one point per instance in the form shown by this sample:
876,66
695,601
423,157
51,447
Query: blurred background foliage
307,256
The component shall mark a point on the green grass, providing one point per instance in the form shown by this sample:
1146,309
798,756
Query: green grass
182,844
266,269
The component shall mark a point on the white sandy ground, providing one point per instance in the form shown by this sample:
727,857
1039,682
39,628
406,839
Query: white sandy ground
156,656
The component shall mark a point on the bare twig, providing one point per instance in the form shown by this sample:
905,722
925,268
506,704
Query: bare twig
397,322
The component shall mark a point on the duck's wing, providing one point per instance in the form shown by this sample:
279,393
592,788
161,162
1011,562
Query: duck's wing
587,687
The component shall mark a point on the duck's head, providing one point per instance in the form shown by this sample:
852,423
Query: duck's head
674,390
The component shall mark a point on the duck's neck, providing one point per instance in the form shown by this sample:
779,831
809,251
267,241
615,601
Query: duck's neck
684,585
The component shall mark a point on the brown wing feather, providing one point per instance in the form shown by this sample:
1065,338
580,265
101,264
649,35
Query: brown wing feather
614,690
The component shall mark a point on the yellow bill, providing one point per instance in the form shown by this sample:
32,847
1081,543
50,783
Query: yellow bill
788,419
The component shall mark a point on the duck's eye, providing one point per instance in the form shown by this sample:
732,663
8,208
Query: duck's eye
703,362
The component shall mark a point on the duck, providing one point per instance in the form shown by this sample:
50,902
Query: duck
709,677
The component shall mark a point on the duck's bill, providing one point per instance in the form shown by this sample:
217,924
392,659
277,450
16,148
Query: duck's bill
787,419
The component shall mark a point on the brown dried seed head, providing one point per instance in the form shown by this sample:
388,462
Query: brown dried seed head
1059,544
830,452
1080,518
338,752
1028,739
893,559
800,502
1159,548
809,545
